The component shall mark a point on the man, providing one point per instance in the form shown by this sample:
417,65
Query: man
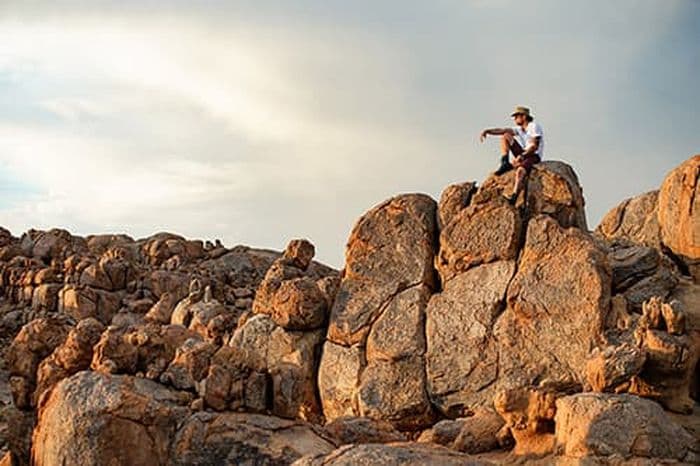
525,141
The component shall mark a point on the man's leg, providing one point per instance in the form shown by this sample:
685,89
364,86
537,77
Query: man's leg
508,144
523,166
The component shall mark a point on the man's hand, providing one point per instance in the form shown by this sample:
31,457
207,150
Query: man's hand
483,134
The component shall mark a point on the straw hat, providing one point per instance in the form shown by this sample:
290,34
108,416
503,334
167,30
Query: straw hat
519,110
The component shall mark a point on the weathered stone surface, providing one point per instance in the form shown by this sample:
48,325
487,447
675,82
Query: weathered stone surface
238,438
481,432
395,391
399,331
32,344
679,202
349,429
462,357
529,415
300,252
338,376
405,454
83,302
671,356
190,365
162,311
45,297
553,189
634,219
453,199
252,340
82,418
660,284
477,433
73,355
557,305
604,425
631,263
390,249
479,234
606,370
292,362
299,304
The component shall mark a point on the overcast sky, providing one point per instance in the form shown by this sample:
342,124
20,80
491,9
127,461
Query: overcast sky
260,121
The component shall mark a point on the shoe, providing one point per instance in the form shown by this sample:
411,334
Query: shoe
505,167
511,199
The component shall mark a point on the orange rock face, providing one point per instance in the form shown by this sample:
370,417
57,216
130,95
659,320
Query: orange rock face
679,202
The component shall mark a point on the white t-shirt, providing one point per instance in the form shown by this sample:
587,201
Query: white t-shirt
526,137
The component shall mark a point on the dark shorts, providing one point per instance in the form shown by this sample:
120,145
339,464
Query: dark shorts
527,161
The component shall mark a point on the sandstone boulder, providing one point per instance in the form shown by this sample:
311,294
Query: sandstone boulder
614,366
97,419
73,355
557,306
479,234
32,344
605,426
82,302
634,219
553,189
678,203
462,355
453,199
390,249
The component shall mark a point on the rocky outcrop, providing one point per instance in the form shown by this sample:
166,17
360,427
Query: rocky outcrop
373,359
473,326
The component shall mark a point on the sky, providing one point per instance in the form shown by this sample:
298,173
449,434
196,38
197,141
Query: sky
256,122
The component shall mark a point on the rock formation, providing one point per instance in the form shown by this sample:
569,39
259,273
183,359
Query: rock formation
464,331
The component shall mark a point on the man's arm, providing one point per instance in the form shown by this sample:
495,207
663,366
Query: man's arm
495,132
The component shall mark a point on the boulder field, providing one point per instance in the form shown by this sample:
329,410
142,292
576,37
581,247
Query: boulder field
460,331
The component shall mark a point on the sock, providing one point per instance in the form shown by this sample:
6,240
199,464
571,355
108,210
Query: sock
504,159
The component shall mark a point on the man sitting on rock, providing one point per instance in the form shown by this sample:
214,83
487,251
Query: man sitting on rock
526,134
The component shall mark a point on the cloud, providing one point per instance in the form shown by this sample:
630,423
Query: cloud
259,123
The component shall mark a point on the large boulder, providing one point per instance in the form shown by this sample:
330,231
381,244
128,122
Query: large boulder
679,202
557,306
96,419
604,427
462,356
479,234
373,360
390,249
553,189
634,219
